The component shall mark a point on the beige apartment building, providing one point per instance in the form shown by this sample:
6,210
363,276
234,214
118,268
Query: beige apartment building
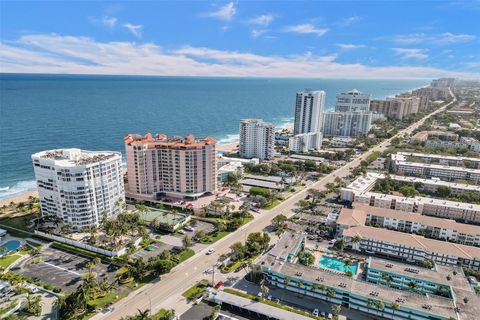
396,108
181,167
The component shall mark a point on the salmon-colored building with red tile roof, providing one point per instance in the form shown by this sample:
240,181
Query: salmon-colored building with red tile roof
170,166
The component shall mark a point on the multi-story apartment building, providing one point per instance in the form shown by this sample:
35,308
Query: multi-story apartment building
443,82
403,163
161,166
347,124
409,222
397,108
309,111
433,94
358,192
305,142
79,187
281,269
352,101
469,143
439,281
257,139
411,248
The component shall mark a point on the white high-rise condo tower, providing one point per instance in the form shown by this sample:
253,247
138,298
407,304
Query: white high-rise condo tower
257,139
79,186
309,111
352,101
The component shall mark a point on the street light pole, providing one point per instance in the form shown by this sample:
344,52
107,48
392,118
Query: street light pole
150,300
213,276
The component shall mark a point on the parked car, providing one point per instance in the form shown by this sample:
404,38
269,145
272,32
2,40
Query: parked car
181,231
188,228
315,312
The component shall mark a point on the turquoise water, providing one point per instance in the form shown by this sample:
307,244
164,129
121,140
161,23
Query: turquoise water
39,112
10,245
337,264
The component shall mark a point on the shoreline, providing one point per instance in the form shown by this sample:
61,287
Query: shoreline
21,197
227,147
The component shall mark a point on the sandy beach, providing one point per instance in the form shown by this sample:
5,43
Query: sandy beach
227,147
18,198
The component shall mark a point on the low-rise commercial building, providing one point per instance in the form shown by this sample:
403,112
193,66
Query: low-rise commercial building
79,186
305,142
224,171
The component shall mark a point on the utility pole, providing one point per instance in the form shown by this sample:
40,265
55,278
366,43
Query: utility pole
213,276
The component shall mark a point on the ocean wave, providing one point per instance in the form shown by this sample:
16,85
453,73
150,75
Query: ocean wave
228,139
18,188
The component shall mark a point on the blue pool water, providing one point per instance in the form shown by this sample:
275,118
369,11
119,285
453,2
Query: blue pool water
11,245
337,264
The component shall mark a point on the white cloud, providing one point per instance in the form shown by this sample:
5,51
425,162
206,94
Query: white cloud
437,39
52,53
109,22
225,13
136,30
262,20
349,46
411,53
306,28
350,20
257,33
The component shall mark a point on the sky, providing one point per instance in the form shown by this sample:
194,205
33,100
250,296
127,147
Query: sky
320,39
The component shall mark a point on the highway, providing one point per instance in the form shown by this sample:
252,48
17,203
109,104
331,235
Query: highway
167,293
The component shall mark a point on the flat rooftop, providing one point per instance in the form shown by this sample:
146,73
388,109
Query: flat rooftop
438,275
75,157
257,307
361,211
286,244
440,306
434,156
153,140
416,241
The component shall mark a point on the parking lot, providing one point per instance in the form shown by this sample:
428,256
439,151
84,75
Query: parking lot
62,269
152,250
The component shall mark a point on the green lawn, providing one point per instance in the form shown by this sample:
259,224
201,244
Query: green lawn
273,204
185,254
8,260
212,239
196,291
233,267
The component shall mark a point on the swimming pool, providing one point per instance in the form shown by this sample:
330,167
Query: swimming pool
10,245
337,264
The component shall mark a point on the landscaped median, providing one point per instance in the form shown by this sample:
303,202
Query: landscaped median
270,303
197,290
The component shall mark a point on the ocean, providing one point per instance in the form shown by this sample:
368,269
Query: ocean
39,112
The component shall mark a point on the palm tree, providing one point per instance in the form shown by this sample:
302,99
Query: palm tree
370,303
143,315
286,281
265,290
395,307
336,309
330,293
412,285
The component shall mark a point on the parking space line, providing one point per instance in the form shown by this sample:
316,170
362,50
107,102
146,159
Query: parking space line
76,273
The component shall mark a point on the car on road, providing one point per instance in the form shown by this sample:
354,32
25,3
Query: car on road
210,251
315,313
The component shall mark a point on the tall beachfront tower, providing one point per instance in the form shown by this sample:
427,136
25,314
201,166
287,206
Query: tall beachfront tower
309,111
352,101
180,167
79,186
257,139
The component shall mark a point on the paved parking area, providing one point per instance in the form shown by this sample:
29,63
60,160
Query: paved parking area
203,226
157,249
63,269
